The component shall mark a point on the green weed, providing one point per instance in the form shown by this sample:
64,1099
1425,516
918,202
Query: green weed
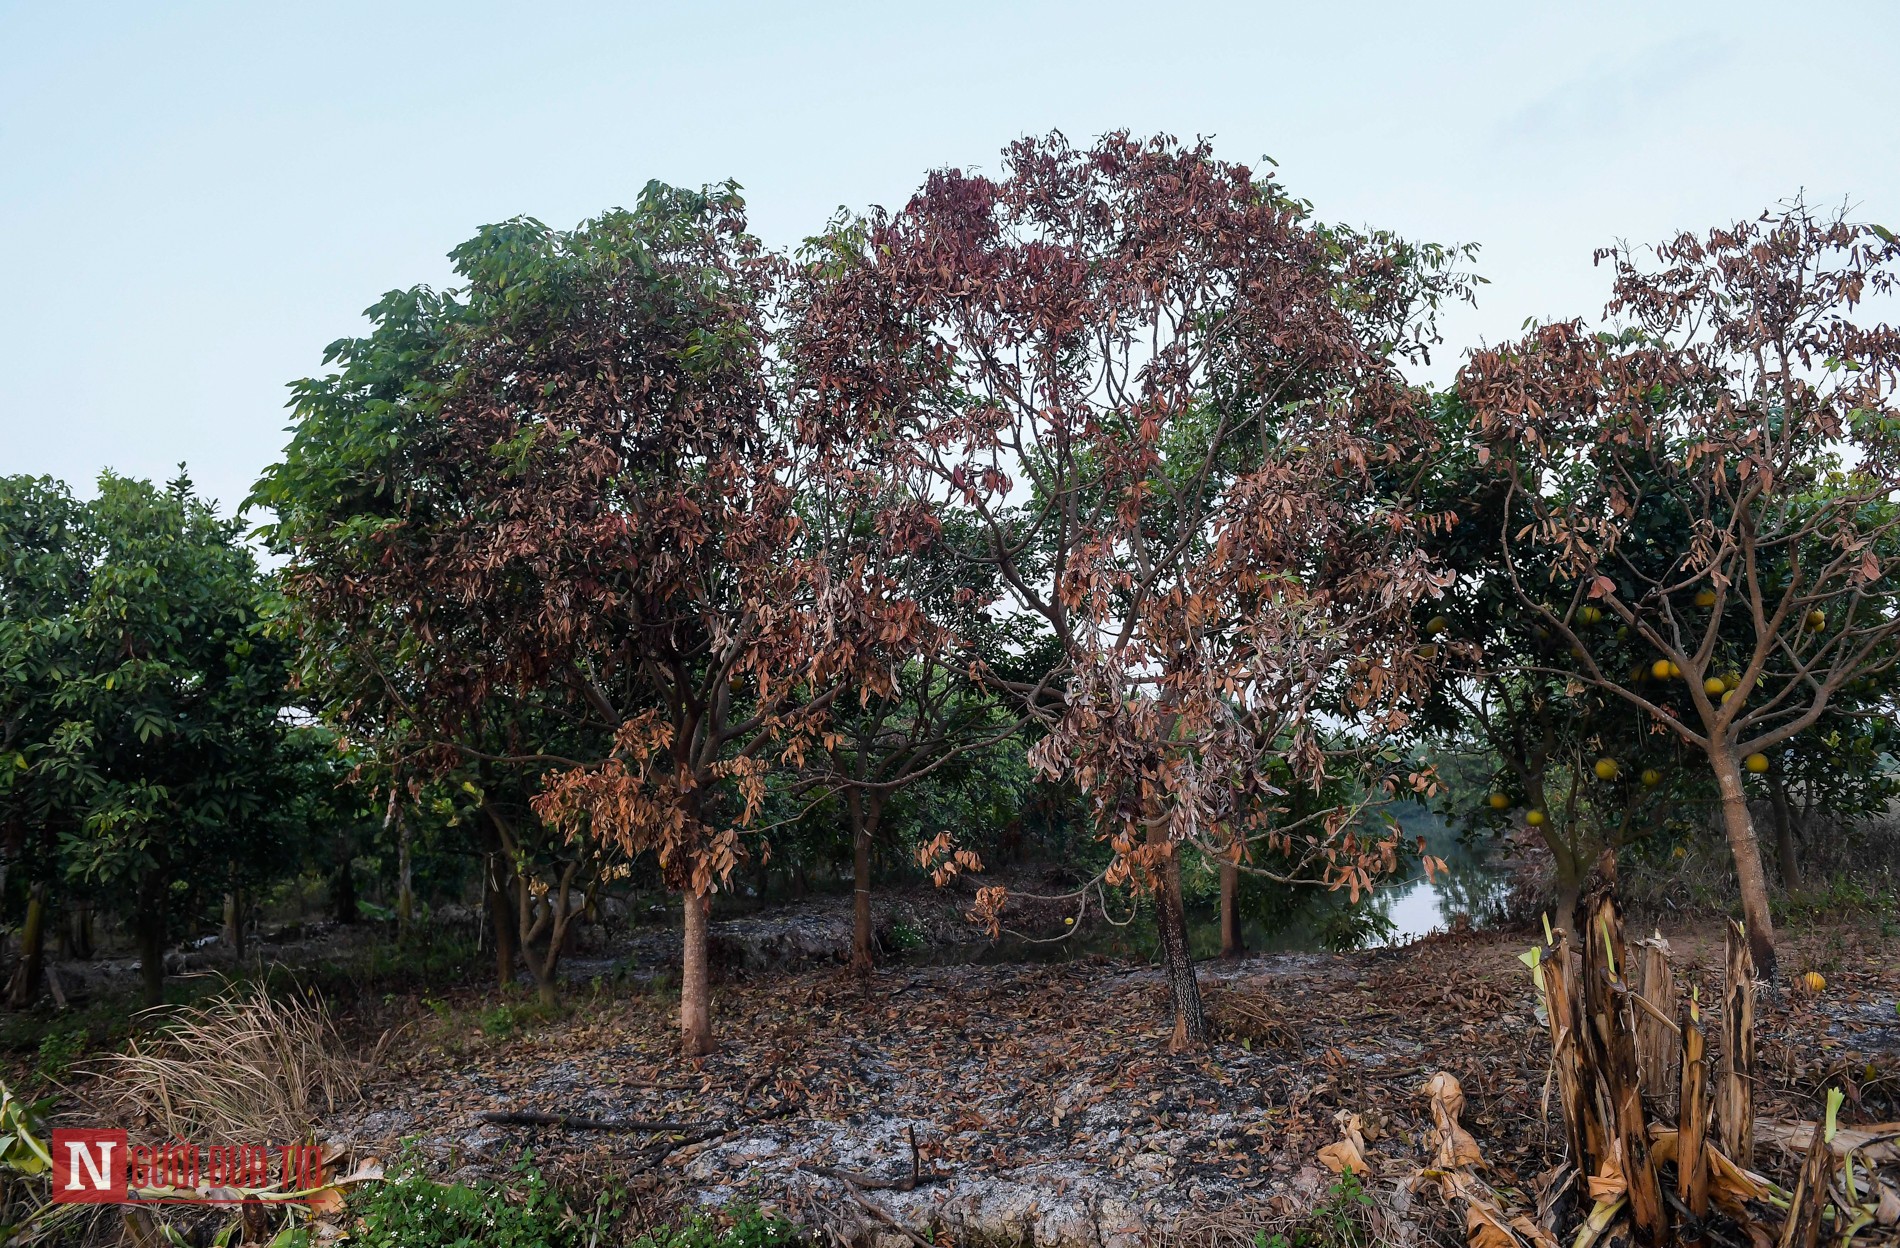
1338,1221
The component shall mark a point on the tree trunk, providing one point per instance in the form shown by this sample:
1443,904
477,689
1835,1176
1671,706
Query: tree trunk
1231,943
228,928
79,932
1739,830
552,922
501,918
343,893
30,970
405,888
866,812
1784,832
148,923
1190,1023
695,992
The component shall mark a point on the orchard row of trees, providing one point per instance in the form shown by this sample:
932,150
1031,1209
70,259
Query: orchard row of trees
1097,484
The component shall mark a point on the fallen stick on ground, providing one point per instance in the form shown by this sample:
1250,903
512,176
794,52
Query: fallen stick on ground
884,1216
568,1122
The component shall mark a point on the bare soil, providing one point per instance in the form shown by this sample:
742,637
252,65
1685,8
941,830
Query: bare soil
1042,1100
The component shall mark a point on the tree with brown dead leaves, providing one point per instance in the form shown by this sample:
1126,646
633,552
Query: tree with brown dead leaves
1717,477
568,487
1168,398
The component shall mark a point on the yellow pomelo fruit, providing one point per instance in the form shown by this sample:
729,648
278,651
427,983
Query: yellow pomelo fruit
1606,769
1535,818
1436,625
1660,669
1651,777
1705,598
1756,763
1813,981
1500,801
1714,687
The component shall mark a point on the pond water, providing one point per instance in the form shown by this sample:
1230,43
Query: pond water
1397,913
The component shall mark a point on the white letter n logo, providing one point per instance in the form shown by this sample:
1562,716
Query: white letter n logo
100,1171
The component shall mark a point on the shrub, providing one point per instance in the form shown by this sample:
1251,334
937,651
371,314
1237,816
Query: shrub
410,1211
244,1065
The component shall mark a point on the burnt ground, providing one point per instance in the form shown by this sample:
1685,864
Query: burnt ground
1042,1100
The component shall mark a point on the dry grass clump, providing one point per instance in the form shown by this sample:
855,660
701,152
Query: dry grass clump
242,1066
1246,1016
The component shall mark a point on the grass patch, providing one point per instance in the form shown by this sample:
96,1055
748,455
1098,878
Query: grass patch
409,1210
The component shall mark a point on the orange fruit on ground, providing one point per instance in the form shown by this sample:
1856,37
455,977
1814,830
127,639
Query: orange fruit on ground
1813,981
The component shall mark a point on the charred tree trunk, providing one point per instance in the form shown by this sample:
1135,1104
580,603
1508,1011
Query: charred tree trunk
1735,1083
1610,1037
30,971
1692,1123
1655,1045
1739,829
1190,1022
1809,1201
1576,1089
696,1038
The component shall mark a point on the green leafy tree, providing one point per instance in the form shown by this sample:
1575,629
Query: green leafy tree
168,756
45,553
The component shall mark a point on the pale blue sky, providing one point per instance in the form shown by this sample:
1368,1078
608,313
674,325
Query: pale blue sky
201,196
